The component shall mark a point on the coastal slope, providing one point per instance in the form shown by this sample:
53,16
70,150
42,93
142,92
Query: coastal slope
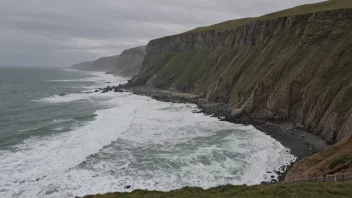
335,159
128,63
105,64
293,65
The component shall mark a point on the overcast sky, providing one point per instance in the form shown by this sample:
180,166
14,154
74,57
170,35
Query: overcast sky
64,32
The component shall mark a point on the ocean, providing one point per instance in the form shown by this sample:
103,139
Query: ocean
59,138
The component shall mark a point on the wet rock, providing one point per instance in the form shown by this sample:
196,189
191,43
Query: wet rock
116,89
299,126
107,89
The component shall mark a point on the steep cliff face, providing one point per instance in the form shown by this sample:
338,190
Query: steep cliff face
130,61
296,68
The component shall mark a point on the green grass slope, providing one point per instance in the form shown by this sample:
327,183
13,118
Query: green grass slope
322,190
303,9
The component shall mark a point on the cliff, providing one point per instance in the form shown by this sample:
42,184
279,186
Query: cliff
293,68
280,67
128,63
102,64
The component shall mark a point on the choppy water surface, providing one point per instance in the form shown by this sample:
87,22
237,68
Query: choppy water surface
88,143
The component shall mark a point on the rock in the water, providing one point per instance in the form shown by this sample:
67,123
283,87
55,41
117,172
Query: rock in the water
62,95
107,89
116,89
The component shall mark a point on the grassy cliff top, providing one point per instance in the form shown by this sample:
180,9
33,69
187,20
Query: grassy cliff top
303,9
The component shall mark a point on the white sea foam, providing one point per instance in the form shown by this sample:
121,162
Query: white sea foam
25,130
101,80
76,97
58,121
139,142
143,143
58,128
45,158
74,80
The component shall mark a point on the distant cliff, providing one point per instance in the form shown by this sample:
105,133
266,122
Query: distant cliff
128,63
102,64
291,65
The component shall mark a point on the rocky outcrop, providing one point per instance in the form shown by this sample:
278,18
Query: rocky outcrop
293,68
128,63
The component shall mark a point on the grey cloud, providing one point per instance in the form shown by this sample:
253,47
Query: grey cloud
63,32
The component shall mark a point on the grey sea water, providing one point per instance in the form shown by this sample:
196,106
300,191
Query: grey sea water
22,118
59,138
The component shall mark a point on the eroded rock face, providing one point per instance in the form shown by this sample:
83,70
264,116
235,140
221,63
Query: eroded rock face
295,68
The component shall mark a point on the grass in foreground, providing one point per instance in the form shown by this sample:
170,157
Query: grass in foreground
279,190
303,9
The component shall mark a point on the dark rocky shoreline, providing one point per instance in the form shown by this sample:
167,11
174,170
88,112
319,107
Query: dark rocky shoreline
292,136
